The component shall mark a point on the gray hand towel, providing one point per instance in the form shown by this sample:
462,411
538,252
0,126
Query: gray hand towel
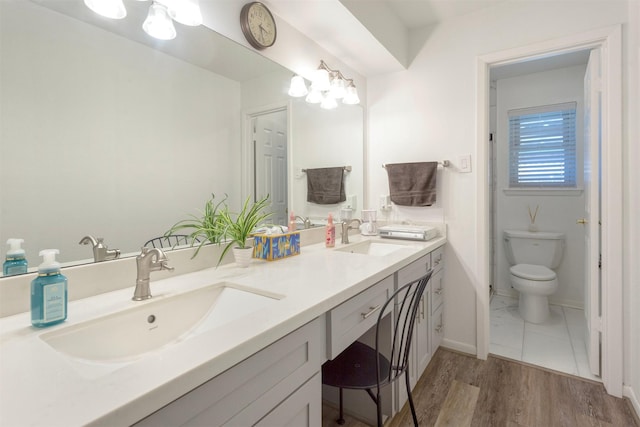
325,185
412,184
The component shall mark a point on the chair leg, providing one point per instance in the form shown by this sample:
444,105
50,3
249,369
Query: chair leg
341,419
379,408
413,408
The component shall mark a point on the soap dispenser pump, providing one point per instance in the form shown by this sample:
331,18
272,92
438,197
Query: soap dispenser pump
330,236
48,292
15,262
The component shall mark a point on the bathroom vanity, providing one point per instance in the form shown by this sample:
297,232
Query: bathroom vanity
252,358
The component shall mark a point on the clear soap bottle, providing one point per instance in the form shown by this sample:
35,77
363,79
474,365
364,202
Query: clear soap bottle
15,262
48,292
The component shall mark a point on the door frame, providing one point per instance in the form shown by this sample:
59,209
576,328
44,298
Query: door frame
246,151
609,39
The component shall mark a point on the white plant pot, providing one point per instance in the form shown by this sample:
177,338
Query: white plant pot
243,256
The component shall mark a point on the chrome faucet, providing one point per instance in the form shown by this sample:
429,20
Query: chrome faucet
149,260
100,251
346,226
305,221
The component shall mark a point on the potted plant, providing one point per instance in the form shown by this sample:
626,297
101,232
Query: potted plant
206,228
238,230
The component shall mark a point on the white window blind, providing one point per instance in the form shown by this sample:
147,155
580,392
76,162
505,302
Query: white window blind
542,146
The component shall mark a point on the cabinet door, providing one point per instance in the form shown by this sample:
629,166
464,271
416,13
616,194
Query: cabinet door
302,409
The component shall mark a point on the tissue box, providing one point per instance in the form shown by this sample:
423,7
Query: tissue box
276,246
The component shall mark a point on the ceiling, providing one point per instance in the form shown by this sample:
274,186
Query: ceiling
373,36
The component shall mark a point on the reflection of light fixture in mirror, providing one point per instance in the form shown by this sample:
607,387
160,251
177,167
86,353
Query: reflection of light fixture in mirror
113,9
158,23
298,88
314,97
329,103
327,86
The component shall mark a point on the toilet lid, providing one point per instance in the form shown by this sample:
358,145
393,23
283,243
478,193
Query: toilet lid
533,272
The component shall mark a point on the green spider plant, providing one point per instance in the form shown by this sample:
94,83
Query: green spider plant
207,228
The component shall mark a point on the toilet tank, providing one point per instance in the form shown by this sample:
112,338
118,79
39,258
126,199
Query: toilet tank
538,248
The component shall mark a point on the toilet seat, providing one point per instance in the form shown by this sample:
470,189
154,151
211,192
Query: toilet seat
533,272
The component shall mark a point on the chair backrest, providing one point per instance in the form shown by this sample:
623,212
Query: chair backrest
170,241
407,300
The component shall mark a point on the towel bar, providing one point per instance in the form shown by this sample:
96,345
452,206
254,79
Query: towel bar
444,164
346,168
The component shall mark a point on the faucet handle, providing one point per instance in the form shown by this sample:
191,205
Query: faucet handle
164,265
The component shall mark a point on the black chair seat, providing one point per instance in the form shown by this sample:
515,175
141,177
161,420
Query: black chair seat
354,368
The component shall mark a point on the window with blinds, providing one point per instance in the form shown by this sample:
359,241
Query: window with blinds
542,147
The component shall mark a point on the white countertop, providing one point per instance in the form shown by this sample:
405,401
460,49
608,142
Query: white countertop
42,387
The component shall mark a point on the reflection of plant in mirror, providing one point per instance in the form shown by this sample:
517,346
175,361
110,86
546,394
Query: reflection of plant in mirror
207,228
238,230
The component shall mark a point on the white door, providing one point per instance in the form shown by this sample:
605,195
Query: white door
270,162
591,220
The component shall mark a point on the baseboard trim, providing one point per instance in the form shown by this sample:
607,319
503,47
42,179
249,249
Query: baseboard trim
459,346
628,392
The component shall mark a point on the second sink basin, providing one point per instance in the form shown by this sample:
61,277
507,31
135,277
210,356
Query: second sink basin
156,323
372,247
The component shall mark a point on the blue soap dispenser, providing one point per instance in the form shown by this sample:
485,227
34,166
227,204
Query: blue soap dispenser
15,262
48,292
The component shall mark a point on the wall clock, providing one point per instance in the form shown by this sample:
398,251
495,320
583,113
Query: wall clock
258,25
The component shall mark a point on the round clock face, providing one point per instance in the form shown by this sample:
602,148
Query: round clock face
258,25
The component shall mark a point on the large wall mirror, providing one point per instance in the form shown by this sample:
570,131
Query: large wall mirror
106,132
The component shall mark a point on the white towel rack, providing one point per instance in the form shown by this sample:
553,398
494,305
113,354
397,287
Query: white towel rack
346,168
444,164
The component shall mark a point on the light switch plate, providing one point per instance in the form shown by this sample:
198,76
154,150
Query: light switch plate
464,163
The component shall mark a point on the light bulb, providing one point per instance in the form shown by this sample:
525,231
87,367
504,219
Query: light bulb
351,96
158,23
186,12
113,9
314,97
298,88
337,88
321,80
329,103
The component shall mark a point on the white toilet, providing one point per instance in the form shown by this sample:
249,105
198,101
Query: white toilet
532,256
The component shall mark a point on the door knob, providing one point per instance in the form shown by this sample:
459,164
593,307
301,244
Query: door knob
582,221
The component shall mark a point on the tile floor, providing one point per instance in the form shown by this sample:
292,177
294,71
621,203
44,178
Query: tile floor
556,344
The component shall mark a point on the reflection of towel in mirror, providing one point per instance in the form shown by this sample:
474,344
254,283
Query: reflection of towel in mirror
412,184
325,185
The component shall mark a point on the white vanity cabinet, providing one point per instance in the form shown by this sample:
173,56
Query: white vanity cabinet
279,385
431,305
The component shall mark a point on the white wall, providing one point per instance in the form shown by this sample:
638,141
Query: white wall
429,112
556,212
632,213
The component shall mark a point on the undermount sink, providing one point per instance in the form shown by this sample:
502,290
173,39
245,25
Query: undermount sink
156,323
372,247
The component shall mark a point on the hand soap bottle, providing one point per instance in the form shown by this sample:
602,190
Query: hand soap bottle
48,292
330,239
292,222
15,262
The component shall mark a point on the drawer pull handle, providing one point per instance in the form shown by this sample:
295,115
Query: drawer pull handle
438,291
370,312
436,262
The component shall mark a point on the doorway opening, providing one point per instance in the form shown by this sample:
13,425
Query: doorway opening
536,184
609,42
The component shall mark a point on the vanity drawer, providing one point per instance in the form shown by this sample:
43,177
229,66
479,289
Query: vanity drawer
414,271
437,259
437,290
348,321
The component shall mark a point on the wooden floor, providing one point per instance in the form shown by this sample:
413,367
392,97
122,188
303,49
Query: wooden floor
459,390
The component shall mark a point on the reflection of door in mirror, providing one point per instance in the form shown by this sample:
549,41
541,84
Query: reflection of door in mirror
270,161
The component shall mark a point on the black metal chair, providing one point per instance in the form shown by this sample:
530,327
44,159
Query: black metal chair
362,367
170,241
